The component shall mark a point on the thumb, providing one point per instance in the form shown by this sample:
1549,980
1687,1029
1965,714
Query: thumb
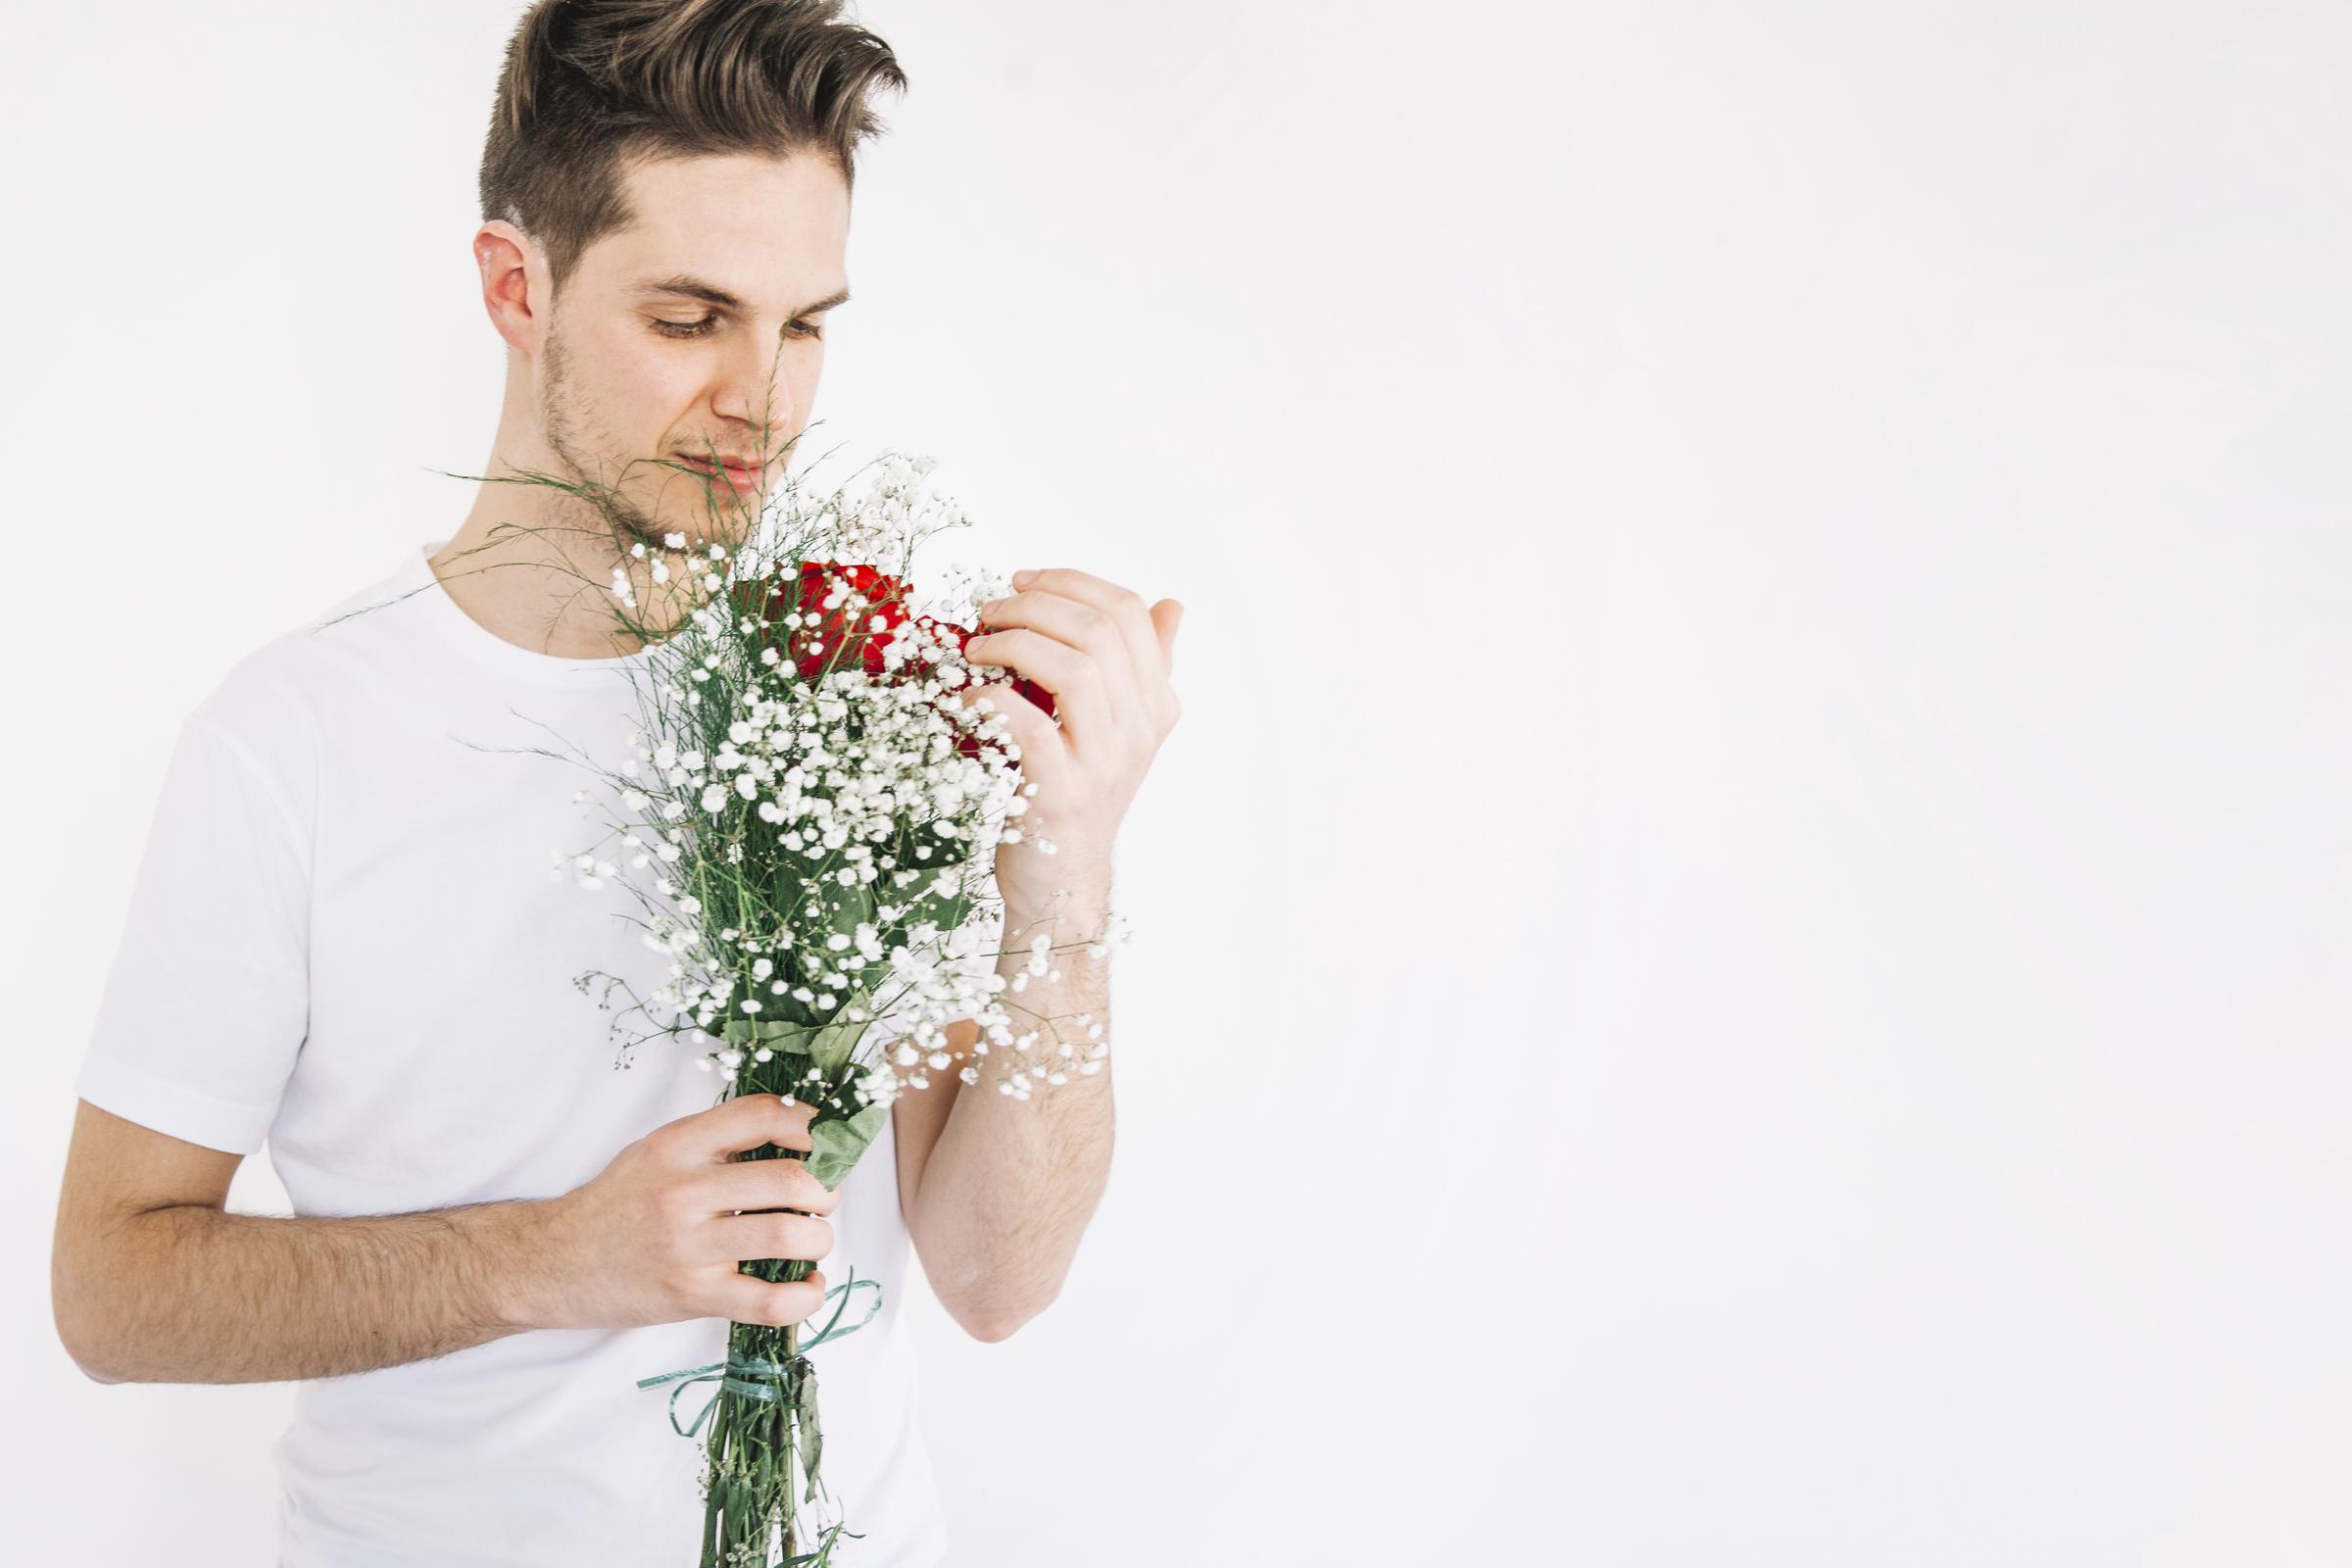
1165,617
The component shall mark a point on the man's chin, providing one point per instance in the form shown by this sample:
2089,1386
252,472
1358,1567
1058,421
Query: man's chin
728,532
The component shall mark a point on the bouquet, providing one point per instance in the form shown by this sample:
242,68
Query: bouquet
815,809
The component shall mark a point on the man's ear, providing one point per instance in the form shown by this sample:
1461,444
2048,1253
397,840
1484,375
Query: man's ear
514,282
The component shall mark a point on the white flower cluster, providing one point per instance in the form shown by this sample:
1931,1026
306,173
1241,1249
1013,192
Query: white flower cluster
1034,1061
625,590
839,770
898,509
804,837
900,506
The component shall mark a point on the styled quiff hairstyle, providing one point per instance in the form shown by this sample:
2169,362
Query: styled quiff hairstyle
590,86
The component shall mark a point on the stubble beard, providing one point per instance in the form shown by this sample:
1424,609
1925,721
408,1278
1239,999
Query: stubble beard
621,520
620,524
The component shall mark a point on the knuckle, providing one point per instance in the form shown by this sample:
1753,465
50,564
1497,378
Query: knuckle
798,1235
675,1299
780,1195
786,1235
673,1263
672,1200
815,1198
792,1300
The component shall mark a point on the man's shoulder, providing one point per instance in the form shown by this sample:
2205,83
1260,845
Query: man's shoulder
276,701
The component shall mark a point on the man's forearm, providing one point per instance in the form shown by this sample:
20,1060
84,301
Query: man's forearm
193,1294
1012,1183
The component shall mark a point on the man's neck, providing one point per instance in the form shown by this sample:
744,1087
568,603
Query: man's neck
546,582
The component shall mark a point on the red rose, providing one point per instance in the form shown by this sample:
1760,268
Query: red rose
813,651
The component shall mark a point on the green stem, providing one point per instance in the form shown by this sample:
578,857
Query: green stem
791,1433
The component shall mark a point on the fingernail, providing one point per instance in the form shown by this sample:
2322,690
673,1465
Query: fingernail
990,607
1025,578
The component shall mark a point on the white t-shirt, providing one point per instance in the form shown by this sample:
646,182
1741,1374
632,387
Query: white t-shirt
348,935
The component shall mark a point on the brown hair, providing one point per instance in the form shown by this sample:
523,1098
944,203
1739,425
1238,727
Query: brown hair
590,85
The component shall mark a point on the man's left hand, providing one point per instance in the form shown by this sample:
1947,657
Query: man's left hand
1105,658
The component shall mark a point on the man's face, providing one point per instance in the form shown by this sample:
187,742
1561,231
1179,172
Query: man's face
696,330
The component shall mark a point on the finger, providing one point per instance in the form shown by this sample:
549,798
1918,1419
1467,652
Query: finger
749,1238
1081,699
1124,606
1074,621
745,1121
748,1299
1029,726
1165,617
747,1186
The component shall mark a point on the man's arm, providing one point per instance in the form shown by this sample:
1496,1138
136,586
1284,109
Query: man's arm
154,1282
179,1291
1006,1192
198,1295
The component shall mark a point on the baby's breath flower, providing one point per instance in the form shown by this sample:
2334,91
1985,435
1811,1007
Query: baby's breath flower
837,827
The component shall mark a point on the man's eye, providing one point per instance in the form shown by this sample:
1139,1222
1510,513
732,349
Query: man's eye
709,323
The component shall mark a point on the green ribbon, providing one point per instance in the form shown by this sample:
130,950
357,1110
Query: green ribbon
823,1554
730,1374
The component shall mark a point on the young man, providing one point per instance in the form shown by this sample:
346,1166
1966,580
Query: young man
345,937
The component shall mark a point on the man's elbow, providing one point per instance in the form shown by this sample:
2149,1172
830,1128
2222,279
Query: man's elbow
85,1352
999,1323
994,1331
72,1316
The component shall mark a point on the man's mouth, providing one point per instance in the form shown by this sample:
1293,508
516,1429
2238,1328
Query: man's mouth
742,476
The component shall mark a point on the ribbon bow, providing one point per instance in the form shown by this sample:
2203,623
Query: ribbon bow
730,1375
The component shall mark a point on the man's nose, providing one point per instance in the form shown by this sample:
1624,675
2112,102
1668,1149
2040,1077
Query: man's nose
754,388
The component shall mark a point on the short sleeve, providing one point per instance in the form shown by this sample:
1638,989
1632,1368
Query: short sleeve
209,997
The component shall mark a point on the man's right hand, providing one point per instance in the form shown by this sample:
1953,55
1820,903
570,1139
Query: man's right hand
656,1236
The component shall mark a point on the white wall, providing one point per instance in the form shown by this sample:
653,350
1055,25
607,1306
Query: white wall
1741,951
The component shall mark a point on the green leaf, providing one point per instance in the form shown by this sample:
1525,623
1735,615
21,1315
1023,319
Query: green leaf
831,1044
805,1393
840,1141
828,1044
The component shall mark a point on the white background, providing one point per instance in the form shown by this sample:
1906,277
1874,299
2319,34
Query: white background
1740,955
